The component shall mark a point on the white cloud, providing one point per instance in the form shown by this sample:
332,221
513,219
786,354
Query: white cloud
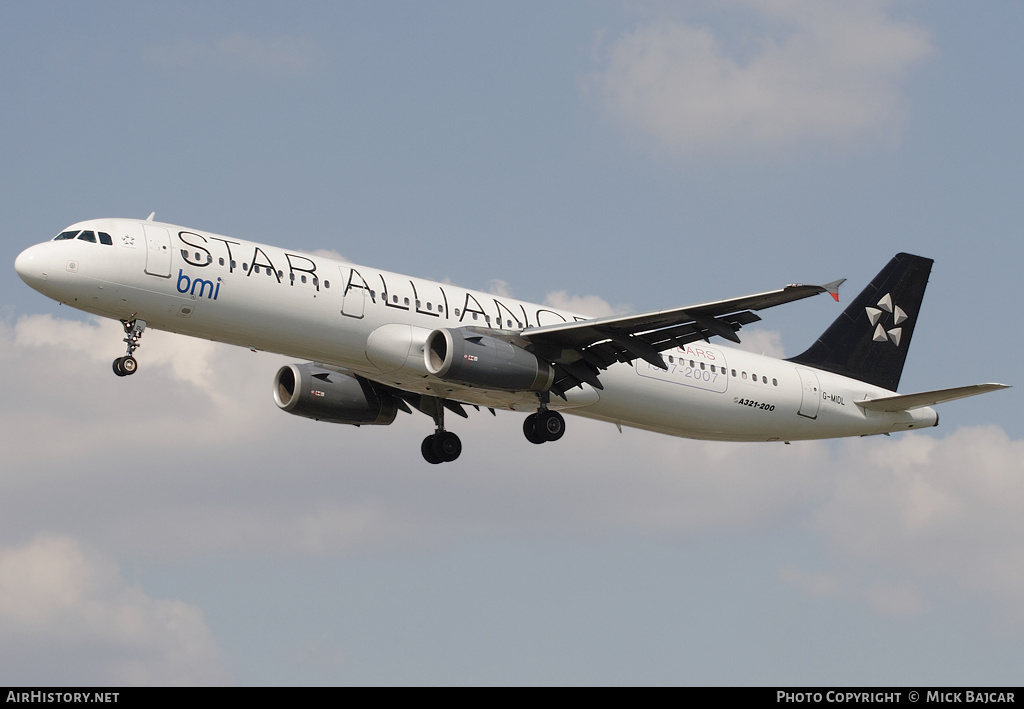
190,457
496,286
929,509
589,305
68,617
766,342
329,254
809,71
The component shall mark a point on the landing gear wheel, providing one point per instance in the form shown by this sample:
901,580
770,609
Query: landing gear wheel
441,447
129,365
118,370
448,446
544,426
550,425
427,449
530,429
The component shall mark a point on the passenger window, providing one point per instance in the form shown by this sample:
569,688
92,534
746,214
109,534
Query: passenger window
303,278
327,284
764,380
744,375
105,239
775,382
734,372
87,236
221,260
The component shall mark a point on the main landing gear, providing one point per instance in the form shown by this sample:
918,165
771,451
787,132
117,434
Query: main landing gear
545,425
123,366
441,446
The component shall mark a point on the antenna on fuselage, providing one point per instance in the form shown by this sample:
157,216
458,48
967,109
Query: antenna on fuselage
150,217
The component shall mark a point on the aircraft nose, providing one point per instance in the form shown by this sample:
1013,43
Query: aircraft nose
31,265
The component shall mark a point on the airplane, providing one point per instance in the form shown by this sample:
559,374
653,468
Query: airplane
376,343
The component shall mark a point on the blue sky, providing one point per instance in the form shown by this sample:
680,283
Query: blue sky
177,528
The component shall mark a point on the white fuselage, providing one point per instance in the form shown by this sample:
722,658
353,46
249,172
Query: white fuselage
375,323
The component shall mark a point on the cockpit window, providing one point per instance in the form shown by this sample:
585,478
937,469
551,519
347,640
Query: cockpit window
87,235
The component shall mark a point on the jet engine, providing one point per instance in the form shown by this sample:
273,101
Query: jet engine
467,357
326,395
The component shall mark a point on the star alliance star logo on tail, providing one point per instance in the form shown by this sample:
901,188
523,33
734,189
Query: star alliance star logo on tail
876,315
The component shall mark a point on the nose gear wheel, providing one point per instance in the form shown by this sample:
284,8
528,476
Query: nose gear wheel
133,329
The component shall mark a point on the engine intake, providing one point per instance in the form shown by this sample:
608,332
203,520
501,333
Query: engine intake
466,357
325,395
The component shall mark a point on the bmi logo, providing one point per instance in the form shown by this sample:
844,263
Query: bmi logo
876,315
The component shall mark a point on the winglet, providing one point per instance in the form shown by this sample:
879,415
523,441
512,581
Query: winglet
833,288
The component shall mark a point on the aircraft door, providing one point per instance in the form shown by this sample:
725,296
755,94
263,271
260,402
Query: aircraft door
158,251
354,303
355,294
810,398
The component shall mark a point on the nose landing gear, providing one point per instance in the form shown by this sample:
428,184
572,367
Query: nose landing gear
123,366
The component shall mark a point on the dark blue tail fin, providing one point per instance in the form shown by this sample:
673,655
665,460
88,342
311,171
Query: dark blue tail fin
869,341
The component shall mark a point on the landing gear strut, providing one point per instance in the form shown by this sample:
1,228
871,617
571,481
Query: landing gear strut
123,366
545,425
441,446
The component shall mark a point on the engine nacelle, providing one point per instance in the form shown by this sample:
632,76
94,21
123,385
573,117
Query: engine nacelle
326,395
466,357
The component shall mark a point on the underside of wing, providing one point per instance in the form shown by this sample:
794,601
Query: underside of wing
580,350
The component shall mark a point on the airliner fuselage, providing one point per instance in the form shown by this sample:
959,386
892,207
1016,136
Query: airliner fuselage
377,325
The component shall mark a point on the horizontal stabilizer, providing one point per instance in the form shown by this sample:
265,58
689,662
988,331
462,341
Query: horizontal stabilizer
906,402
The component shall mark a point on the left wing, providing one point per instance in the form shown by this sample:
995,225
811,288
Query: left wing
579,350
